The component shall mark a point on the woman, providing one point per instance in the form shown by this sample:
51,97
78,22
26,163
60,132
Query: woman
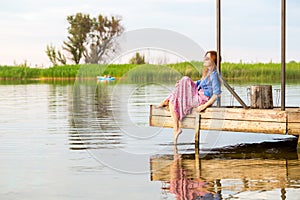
189,94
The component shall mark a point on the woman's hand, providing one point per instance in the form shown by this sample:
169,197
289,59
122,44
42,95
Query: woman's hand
201,107
207,104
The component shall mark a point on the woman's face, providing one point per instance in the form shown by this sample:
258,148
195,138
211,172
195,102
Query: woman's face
207,60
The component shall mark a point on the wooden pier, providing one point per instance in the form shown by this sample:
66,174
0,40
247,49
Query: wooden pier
274,121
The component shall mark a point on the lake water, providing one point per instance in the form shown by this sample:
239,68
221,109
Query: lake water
89,140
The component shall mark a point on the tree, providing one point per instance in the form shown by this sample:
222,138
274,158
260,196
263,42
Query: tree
137,59
101,40
51,53
54,56
80,27
93,38
61,58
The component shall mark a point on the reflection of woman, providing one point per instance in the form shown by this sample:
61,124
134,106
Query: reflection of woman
189,94
187,188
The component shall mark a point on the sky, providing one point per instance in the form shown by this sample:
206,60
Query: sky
250,28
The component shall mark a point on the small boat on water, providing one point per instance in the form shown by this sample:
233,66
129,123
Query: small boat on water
106,78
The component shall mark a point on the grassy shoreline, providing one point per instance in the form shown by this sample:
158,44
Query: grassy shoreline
230,71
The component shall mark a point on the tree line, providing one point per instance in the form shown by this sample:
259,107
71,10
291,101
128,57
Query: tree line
90,40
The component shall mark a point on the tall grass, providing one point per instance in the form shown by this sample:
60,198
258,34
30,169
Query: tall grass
260,71
230,71
20,72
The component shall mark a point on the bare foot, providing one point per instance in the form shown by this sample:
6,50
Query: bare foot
161,106
164,103
176,134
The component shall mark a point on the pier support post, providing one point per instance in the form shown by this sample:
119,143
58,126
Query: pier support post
197,130
197,164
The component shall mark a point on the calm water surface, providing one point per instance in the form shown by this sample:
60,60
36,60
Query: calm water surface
88,140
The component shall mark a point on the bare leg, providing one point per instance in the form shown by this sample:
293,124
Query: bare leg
176,128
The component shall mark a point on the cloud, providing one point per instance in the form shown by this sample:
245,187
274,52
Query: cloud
29,25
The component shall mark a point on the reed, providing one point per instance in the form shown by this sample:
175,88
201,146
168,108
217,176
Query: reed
231,71
260,71
20,72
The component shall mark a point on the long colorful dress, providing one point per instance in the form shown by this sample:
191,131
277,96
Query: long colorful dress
188,94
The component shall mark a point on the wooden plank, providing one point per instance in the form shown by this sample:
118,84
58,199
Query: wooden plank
223,125
267,115
292,109
293,128
255,114
294,131
293,124
162,121
244,126
293,116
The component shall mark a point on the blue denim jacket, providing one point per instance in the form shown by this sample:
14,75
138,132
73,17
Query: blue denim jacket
210,84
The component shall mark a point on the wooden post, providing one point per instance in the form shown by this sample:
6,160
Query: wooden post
219,42
197,164
283,48
261,96
197,130
197,137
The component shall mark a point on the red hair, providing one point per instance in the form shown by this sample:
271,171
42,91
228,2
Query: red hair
214,58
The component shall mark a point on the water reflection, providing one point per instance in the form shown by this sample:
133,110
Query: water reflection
40,123
180,175
106,114
92,114
196,176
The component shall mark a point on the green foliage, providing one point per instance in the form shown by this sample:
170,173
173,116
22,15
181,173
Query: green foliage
80,26
259,71
101,39
51,53
61,58
190,69
137,59
19,72
66,71
152,73
270,72
93,38
54,56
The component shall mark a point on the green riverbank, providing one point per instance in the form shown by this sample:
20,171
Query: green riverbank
264,72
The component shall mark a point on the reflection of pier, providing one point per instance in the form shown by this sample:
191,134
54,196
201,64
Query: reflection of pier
215,174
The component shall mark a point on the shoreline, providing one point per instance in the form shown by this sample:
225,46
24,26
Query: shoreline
270,72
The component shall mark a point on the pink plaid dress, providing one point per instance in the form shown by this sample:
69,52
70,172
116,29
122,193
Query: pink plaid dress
186,96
